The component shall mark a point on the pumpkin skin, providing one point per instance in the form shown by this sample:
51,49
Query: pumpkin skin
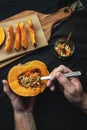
18,70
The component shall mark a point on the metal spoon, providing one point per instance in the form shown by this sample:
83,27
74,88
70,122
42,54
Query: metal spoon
69,35
70,74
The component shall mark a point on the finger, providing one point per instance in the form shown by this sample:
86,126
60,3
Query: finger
50,82
7,90
50,85
52,88
5,87
20,64
70,87
62,69
63,80
75,81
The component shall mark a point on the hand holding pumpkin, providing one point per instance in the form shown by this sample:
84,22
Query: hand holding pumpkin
23,85
20,104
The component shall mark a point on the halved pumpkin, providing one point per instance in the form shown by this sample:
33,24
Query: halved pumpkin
24,80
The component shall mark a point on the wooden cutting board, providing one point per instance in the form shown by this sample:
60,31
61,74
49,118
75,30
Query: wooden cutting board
41,40
46,20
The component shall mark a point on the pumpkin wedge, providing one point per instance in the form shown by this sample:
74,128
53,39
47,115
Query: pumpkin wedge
2,36
24,35
24,80
17,43
32,32
10,39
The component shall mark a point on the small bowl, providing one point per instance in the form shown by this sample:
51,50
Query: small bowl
64,49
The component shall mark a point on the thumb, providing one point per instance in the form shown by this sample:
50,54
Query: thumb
7,90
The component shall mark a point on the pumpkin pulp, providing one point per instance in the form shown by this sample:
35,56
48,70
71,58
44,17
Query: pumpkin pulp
30,80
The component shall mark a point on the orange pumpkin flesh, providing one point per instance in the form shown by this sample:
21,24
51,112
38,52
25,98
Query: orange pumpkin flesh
27,69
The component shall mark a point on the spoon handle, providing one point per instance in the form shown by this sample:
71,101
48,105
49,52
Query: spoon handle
69,35
70,74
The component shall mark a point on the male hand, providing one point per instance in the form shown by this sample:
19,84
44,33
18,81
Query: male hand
71,87
20,104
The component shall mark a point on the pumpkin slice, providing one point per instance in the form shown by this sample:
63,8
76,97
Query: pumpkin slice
10,39
17,43
24,80
24,35
32,32
2,36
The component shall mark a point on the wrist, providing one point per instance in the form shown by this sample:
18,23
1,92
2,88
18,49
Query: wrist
23,110
24,121
22,114
83,104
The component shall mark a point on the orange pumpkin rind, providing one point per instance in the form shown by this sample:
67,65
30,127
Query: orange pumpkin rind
2,35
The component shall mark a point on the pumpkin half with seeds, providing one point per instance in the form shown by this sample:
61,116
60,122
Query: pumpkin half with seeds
24,80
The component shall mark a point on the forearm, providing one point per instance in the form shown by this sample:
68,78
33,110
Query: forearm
24,121
83,105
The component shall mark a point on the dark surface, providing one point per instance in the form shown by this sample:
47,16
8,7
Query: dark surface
11,7
52,111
